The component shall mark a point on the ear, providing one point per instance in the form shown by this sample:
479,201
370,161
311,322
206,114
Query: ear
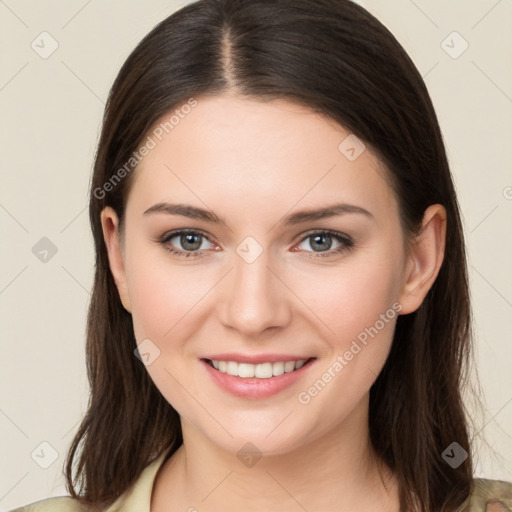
111,235
424,259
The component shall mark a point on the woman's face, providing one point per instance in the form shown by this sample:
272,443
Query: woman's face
267,284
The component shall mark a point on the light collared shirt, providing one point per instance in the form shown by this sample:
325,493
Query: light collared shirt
136,499
488,496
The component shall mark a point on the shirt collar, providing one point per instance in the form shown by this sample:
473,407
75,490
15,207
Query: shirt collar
138,497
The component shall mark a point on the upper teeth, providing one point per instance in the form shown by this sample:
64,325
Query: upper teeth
260,371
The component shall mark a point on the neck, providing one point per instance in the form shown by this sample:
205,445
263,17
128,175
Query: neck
337,471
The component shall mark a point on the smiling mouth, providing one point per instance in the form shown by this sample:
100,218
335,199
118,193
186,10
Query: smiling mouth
258,371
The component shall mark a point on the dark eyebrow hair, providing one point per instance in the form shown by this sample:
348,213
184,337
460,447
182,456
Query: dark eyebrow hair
194,212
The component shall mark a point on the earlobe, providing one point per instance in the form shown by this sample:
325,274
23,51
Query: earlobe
425,259
111,235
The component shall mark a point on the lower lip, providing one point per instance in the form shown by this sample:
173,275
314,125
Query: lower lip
253,387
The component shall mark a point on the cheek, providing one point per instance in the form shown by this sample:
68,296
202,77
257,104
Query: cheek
163,294
166,299
360,308
352,297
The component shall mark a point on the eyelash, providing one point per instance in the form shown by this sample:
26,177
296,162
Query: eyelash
346,242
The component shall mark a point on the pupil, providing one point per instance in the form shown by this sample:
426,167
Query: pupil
188,239
318,245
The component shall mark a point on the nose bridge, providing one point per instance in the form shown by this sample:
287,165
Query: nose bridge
255,299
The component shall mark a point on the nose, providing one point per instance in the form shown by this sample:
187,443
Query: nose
254,298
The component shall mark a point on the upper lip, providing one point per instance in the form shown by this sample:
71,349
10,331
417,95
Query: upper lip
257,358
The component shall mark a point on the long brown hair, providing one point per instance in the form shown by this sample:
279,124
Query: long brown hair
336,58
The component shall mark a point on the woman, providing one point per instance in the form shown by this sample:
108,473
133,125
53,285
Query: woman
280,316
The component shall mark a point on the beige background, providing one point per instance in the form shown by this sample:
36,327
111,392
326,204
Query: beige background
51,114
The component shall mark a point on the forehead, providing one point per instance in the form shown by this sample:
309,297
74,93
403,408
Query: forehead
228,150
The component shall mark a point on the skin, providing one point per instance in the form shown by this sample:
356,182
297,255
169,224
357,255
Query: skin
252,163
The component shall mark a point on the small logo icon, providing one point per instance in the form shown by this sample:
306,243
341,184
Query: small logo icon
44,45
44,250
351,147
455,455
249,249
147,352
44,455
454,45
249,455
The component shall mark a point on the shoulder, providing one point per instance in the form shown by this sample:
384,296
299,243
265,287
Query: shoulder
60,504
490,496
136,499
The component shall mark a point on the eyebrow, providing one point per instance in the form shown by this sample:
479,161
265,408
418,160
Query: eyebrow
193,212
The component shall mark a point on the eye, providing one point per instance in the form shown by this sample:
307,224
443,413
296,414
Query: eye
322,242
191,242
